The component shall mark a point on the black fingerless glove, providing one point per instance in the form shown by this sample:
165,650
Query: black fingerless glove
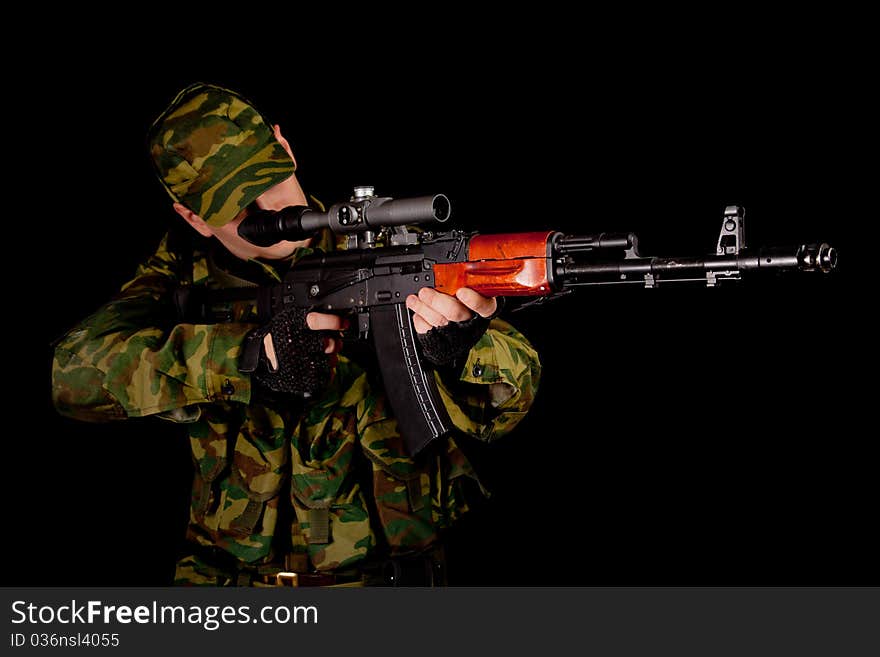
443,345
303,367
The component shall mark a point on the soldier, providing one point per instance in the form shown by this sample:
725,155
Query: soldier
300,472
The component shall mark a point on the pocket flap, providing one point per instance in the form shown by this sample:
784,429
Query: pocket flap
382,443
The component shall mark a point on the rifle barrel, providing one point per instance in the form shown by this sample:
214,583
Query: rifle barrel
806,257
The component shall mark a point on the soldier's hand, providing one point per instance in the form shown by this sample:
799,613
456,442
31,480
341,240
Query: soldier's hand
293,353
448,327
317,322
432,308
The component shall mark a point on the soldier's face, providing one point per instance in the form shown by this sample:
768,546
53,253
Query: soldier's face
286,193
280,196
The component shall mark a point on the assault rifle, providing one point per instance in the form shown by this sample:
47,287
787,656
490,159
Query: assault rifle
385,262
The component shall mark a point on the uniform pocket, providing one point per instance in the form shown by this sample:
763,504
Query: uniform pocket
256,475
326,495
209,458
236,495
403,490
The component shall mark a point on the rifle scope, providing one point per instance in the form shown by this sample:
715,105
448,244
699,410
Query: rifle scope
362,213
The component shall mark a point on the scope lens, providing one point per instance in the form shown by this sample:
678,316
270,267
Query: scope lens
441,207
828,259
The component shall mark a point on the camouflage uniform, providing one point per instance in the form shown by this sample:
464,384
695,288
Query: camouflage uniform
325,483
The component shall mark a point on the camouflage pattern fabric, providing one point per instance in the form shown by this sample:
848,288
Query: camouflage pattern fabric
329,482
215,154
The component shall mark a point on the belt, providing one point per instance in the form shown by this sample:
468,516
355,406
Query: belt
413,571
288,578
423,570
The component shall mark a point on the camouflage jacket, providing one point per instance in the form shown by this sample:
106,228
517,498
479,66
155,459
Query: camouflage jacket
327,483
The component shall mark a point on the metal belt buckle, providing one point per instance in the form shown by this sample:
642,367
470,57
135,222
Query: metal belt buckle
286,579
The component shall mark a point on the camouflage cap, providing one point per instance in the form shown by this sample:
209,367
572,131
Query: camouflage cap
214,153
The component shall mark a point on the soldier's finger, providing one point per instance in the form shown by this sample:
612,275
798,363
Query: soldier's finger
326,322
483,306
421,325
269,349
427,313
450,307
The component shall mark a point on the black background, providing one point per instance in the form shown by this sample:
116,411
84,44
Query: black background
680,436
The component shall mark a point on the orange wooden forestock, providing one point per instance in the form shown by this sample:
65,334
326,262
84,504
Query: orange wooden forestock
507,264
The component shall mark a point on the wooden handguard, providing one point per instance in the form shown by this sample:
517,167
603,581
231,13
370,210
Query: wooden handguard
506,264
